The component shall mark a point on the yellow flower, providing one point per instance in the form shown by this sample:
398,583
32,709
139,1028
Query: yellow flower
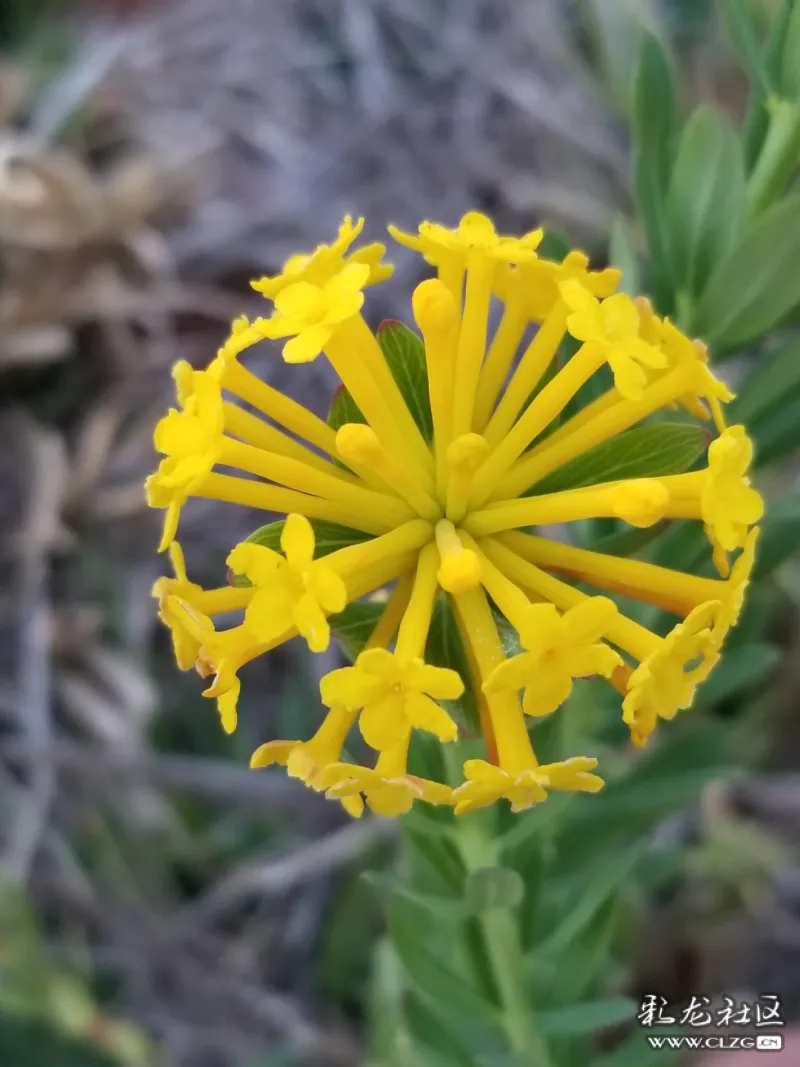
444,523
558,649
729,504
321,265
310,314
394,695
664,683
486,783
720,495
536,284
387,788
475,234
292,590
612,325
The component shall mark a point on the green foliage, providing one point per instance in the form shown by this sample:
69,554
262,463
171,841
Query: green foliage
649,451
707,199
755,287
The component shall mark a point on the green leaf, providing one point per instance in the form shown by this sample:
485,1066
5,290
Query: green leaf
790,53
405,354
779,537
606,877
445,649
634,1051
493,887
432,1031
779,433
738,673
706,202
343,409
438,906
757,284
770,384
629,540
737,16
586,1018
622,255
328,536
554,244
654,118
353,626
651,451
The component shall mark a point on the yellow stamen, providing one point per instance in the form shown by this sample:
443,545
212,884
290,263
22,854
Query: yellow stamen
546,458
535,360
672,590
436,315
639,502
471,340
244,384
360,443
459,568
514,749
464,456
541,411
416,623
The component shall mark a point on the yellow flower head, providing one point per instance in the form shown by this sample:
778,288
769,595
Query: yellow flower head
729,504
394,695
558,649
310,314
292,590
486,783
184,642
324,263
612,325
665,682
422,494
475,235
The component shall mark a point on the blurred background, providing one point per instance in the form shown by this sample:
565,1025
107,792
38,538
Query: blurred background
161,904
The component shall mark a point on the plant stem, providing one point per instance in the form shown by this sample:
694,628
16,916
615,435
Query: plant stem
500,936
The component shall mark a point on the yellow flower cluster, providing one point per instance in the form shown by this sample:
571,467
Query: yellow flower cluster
450,516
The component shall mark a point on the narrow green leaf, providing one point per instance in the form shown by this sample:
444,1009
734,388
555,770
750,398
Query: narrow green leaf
769,385
405,354
634,1051
622,254
737,16
445,649
431,1031
493,887
629,541
353,626
779,537
343,409
328,536
651,451
757,284
778,433
554,244
738,673
440,907
605,879
789,21
586,1018
707,196
654,118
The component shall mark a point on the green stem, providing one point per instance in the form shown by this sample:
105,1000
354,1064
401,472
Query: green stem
500,937
778,158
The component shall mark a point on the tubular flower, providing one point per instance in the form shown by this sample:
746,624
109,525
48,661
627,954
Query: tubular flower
422,505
